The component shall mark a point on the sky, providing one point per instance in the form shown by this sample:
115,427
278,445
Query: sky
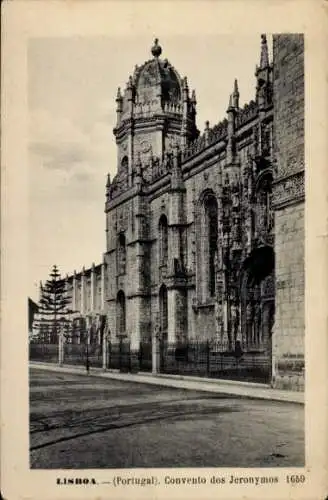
72,85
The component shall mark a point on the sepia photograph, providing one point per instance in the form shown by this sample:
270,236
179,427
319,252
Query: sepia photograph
165,293
199,284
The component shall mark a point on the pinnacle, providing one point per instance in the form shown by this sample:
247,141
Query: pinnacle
264,62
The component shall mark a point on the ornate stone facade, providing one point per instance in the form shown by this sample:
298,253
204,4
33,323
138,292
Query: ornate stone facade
196,222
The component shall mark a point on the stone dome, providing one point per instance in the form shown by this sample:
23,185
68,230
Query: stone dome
157,77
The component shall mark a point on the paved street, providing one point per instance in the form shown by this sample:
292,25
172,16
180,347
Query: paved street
81,422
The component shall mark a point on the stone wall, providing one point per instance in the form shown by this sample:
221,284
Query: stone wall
288,201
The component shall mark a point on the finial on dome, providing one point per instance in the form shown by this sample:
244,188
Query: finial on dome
156,49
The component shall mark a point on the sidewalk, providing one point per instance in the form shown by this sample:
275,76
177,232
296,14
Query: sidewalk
229,387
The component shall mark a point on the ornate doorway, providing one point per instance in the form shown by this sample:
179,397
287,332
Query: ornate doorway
257,300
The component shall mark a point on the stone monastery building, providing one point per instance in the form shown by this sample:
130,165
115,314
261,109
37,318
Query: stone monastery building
205,231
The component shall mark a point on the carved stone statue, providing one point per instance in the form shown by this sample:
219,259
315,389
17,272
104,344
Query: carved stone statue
235,316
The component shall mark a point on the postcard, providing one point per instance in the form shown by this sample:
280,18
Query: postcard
164,250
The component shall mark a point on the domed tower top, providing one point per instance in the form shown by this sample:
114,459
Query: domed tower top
156,98
157,82
154,88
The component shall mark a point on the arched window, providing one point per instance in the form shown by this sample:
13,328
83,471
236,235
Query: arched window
207,245
125,165
121,254
163,311
163,240
120,313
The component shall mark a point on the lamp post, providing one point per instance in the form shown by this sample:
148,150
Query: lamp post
156,346
87,339
60,347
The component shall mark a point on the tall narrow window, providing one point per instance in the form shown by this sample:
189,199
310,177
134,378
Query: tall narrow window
211,209
121,254
121,313
163,240
125,165
207,243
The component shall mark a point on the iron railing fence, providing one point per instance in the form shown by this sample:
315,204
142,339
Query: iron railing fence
83,354
48,353
119,356
145,356
215,360
198,358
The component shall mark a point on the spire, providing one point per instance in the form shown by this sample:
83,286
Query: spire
264,63
129,84
119,94
185,89
230,103
119,105
193,98
235,95
129,94
108,186
207,132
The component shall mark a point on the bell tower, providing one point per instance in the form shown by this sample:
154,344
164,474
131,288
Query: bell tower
154,112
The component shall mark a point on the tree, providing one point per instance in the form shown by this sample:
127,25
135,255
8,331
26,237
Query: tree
54,312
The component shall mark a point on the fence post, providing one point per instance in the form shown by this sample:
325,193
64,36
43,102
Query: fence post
104,353
109,354
120,354
155,352
87,361
208,358
140,356
130,363
60,349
